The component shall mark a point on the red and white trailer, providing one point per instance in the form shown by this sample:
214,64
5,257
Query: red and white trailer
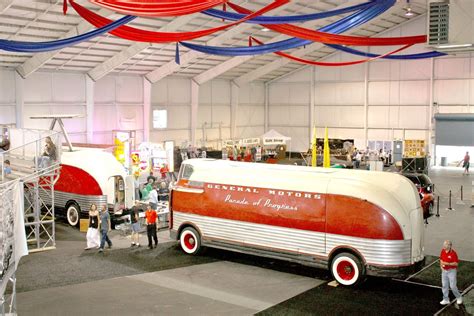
352,222
90,176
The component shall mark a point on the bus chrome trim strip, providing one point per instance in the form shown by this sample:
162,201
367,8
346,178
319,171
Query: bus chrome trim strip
84,201
374,252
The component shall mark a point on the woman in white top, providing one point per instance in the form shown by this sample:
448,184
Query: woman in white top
93,237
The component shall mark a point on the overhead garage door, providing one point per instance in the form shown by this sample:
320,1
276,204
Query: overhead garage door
454,129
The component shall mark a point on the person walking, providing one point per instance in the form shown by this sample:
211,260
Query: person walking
151,220
93,237
357,159
465,163
104,228
154,197
448,260
135,221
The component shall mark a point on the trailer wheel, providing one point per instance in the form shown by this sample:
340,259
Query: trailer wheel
190,241
347,269
73,214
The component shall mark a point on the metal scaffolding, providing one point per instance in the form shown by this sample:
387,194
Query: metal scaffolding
39,215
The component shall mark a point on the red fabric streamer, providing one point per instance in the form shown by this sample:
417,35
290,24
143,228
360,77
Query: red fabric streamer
158,8
330,64
134,34
64,7
329,38
224,8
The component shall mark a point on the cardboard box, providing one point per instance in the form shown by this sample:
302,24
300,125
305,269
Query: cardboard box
84,225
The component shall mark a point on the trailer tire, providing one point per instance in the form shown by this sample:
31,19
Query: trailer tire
73,214
190,241
347,269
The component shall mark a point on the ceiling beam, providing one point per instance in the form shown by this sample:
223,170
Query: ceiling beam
126,54
4,5
171,67
236,61
38,60
220,69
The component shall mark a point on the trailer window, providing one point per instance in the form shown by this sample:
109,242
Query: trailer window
185,172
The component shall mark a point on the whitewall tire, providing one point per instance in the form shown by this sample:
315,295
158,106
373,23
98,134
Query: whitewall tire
347,269
73,214
190,241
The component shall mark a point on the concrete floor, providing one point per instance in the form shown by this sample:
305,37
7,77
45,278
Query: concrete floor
211,289
458,224
164,281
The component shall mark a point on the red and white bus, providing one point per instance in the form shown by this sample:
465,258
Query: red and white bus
90,176
352,222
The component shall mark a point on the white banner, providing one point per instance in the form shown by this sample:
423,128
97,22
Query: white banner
21,248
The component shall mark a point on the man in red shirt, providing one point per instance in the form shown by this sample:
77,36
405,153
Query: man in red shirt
151,220
465,163
448,260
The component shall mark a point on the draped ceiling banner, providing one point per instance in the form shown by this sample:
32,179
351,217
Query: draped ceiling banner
155,8
333,64
134,34
300,36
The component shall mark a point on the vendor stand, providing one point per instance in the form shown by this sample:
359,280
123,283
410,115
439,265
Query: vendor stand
274,146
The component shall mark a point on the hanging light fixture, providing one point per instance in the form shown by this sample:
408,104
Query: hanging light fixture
408,10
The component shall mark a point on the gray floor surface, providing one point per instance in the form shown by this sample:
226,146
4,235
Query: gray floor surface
71,281
212,289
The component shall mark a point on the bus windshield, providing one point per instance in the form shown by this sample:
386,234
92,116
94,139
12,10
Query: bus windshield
185,172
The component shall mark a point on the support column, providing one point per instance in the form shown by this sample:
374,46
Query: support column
430,113
194,110
146,109
234,105
265,112
20,100
366,105
312,102
90,85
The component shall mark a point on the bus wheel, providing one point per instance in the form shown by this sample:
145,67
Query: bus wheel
190,241
73,214
347,269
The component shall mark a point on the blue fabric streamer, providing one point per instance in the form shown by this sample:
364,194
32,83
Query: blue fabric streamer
286,19
407,56
37,47
338,27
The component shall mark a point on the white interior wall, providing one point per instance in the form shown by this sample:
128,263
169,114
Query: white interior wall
173,95
118,103
7,97
397,96
214,111
251,111
55,93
